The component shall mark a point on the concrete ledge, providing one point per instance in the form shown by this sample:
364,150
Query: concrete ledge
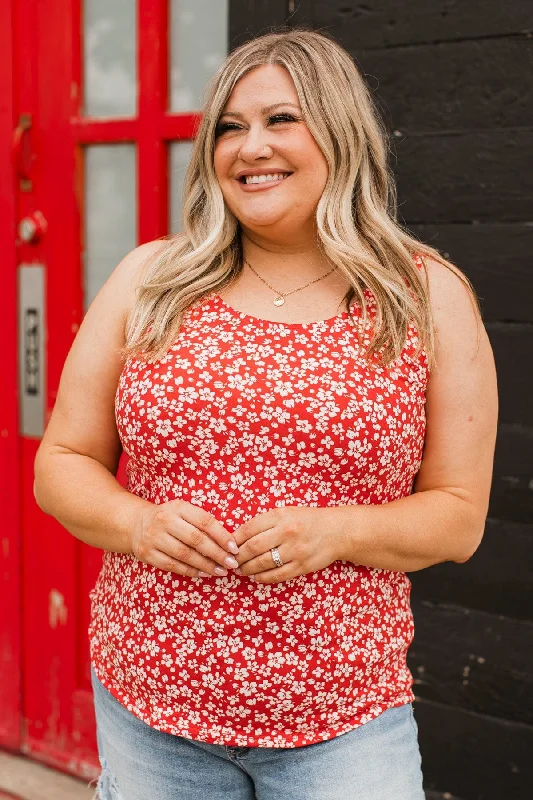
23,778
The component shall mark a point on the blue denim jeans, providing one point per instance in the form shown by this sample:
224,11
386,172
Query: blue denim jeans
380,760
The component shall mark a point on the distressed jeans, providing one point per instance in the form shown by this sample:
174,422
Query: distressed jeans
379,760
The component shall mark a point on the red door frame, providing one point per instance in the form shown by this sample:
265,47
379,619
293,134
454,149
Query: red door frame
57,570
10,557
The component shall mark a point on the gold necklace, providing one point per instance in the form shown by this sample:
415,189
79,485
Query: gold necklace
280,298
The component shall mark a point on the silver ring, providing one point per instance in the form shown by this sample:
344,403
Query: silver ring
276,558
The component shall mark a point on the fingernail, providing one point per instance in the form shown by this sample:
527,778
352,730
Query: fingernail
220,571
238,572
232,547
229,561
203,574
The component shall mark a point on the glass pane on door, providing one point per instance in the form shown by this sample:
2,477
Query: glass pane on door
198,45
180,154
110,212
110,58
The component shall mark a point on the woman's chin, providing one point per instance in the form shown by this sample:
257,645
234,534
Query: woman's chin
261,218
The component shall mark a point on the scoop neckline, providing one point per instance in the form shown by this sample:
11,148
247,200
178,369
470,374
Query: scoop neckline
242,315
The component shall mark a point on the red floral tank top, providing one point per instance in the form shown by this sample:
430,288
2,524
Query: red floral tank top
242,415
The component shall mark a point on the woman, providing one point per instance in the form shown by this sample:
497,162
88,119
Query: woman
307,398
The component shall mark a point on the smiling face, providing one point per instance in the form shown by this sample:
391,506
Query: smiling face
262,131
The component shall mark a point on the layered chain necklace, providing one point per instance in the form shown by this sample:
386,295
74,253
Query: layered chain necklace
280,296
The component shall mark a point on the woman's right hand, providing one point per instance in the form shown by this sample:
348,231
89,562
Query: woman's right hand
182,538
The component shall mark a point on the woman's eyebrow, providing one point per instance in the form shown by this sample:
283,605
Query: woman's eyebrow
264,110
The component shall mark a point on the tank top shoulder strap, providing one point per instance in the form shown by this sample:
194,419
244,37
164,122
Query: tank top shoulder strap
419,261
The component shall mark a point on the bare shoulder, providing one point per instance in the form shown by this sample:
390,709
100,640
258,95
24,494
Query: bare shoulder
107,315
455,313
129,273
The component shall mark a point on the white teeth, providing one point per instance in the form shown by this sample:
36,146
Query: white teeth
263,178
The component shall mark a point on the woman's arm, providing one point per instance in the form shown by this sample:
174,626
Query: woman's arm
78,457
444,519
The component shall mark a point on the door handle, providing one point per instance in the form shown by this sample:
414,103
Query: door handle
23,155
32,228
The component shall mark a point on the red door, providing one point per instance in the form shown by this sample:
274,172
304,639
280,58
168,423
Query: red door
103,113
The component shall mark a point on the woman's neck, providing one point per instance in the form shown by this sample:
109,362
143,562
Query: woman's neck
291,264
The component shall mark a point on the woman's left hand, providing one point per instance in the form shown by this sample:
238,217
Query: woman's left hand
307,539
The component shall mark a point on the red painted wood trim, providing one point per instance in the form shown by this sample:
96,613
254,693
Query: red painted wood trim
76,57
180,126
152,188
10,557
81,762
86,130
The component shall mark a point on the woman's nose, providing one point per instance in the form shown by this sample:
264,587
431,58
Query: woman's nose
255,145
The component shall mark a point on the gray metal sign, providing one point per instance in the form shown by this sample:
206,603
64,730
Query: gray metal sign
31,342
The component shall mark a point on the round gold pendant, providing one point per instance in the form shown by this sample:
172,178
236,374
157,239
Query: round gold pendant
279,301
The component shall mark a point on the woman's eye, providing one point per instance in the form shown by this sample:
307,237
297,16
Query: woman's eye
224,126
229,126
282,118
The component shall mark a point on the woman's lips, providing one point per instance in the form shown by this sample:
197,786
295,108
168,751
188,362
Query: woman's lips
256,187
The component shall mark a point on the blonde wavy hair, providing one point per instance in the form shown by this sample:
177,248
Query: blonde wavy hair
356,216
